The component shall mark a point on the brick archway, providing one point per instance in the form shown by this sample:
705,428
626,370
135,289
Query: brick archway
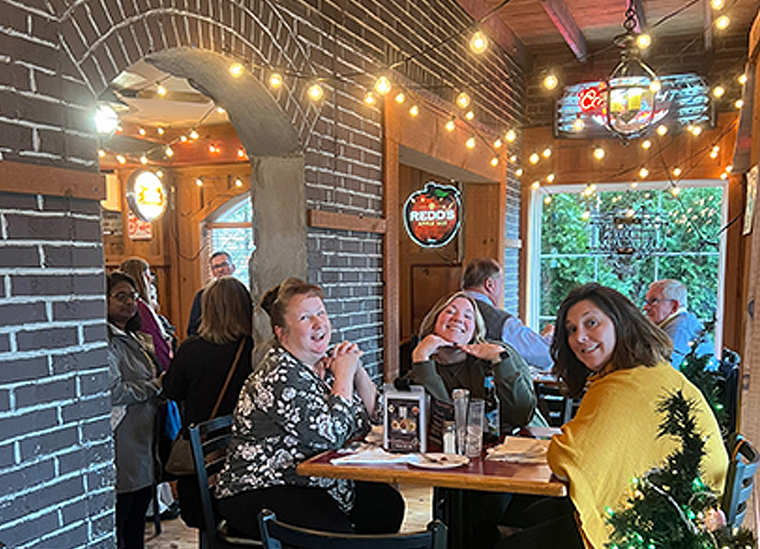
104,38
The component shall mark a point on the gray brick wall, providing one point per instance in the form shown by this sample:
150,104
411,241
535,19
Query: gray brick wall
56,452
56,56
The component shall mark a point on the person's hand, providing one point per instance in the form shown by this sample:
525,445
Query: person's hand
484,351
428,346
548,331
345,360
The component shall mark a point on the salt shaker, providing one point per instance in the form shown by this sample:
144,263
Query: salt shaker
449,438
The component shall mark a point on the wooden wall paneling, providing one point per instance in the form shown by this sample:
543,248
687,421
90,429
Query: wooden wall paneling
484,213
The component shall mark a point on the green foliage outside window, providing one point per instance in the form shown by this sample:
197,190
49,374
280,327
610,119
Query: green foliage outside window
690,246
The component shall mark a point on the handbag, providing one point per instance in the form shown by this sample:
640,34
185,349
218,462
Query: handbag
180,461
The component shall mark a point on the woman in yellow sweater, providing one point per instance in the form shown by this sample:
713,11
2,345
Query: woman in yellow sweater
604,343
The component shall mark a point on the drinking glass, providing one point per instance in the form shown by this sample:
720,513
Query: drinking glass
474,439
461,400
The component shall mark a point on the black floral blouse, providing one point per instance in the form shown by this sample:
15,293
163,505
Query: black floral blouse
284,416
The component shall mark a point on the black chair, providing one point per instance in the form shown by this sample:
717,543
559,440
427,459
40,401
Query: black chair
276,535
739,480
209,441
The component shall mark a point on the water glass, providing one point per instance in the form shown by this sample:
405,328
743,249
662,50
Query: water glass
474,437
461,400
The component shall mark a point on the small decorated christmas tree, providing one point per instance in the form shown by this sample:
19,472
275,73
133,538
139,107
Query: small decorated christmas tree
670,507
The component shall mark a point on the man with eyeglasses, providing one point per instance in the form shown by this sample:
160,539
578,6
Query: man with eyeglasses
221,265
666,305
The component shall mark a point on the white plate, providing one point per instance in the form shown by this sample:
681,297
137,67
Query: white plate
439,461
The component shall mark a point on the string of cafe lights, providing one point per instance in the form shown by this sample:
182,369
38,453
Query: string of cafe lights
383,85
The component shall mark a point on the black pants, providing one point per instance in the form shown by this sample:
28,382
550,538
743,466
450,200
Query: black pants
130,518
378,509
548,523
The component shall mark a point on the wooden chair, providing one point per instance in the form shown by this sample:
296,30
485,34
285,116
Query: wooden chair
739,480
209,441
276,535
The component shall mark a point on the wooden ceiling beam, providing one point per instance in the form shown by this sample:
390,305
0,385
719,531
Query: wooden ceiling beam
562,18
708,25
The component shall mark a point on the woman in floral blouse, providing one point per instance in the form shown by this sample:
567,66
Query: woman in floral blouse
301,401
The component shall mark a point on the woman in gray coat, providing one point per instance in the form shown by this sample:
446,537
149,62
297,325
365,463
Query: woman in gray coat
134,402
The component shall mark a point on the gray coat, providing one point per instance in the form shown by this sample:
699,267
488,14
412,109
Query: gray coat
134,389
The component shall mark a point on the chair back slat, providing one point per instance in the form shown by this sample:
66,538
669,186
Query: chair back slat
740,480
276,535
209,441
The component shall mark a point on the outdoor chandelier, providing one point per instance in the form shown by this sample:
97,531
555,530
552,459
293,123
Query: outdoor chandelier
631,87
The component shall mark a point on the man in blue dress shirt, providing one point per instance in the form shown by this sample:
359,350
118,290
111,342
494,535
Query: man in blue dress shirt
666,304
483,280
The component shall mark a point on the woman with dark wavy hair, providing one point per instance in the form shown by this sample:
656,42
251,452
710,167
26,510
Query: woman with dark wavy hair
604,343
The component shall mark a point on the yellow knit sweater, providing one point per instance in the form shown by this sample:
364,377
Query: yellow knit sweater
613,438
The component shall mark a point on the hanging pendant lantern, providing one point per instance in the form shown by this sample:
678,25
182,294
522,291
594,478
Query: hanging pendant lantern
630,96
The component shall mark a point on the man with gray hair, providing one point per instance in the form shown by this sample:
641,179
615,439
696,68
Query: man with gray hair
666,304
483,280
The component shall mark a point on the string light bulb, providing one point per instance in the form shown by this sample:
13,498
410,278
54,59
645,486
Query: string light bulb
470,143
497,144
160,131
675,191
141,131
578,124
121,159
463,100
548,199
193,135
519,172
662,129
168,151
199,182
551,81
143,160
241,152
646,144
236,70
495,161
643,173
739,103
655,86
183,138
722,22
400,98
599,153
510,136
634,184
718,91
414,110
643,41
369,98
714,151
536,185
470,115
534,158
101,153
161,90
717,4
479,42
316,92
451,124
513,158
742,79
383,86
677,171
275,80
220,109
547,152
238,182
550,178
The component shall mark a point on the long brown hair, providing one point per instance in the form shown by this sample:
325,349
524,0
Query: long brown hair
136,268
226,311
638,342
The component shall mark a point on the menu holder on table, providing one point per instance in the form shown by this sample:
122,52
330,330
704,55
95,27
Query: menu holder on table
405,419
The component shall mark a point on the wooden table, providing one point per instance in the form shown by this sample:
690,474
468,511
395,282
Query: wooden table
479,474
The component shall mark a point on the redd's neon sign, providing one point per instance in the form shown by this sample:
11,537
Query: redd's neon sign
432,215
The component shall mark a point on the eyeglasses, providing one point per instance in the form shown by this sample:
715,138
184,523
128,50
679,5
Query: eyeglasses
655,300
123,297
220,266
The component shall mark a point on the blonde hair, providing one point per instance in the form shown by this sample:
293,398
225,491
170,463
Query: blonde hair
136,267
428,323
226,311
